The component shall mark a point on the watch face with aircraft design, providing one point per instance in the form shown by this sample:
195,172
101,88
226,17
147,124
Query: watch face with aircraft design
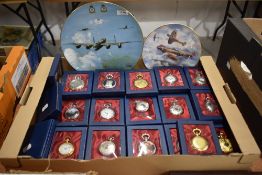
172,44
101,35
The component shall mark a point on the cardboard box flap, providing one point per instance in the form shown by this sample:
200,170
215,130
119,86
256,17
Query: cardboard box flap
255,26
243,136
26,112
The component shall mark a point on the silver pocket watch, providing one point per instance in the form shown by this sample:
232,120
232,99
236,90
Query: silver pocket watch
107,112
210,106
109,82
77,83
142,106
107,147
72,112
200,79
146,147
176,109
170,78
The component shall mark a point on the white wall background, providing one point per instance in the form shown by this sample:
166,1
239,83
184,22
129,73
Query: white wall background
202,15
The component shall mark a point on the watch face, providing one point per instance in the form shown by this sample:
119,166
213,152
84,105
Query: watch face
210,106
107,113
142,106
66,149
77,83
176,109
107,148
200,79
147,148
72,113
109,83
171,79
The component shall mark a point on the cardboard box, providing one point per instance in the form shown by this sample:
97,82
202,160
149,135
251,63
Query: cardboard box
149,165
242,39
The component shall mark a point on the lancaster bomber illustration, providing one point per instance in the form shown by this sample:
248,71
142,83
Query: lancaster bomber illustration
101,43
174,53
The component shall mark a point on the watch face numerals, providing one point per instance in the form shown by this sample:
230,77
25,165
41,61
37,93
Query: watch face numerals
107,112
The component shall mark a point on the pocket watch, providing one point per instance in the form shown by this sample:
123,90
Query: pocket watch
77,83
107,112
140,82
210,106
141,106
198,142
109,82
200,79
72,112
176,109
146,147
170,79
108,147
225,143
66,149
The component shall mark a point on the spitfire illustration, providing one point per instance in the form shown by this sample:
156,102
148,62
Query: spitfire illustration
172,44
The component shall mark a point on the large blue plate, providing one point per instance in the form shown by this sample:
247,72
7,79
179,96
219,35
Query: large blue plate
172,44
101,35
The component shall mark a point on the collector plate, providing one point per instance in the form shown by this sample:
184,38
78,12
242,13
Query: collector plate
101,35
172,44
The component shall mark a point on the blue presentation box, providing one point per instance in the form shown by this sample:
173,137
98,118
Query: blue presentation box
182,100
151,116
146,130
109,82
71,131
50,104
201,109
77,84
40,139
106,134
172,77
83,112
193,75
199,138
112,108
141,83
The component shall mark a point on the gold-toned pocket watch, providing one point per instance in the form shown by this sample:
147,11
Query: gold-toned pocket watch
72,112
77,83
107,147
139,82
225,143
198,142
67,148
